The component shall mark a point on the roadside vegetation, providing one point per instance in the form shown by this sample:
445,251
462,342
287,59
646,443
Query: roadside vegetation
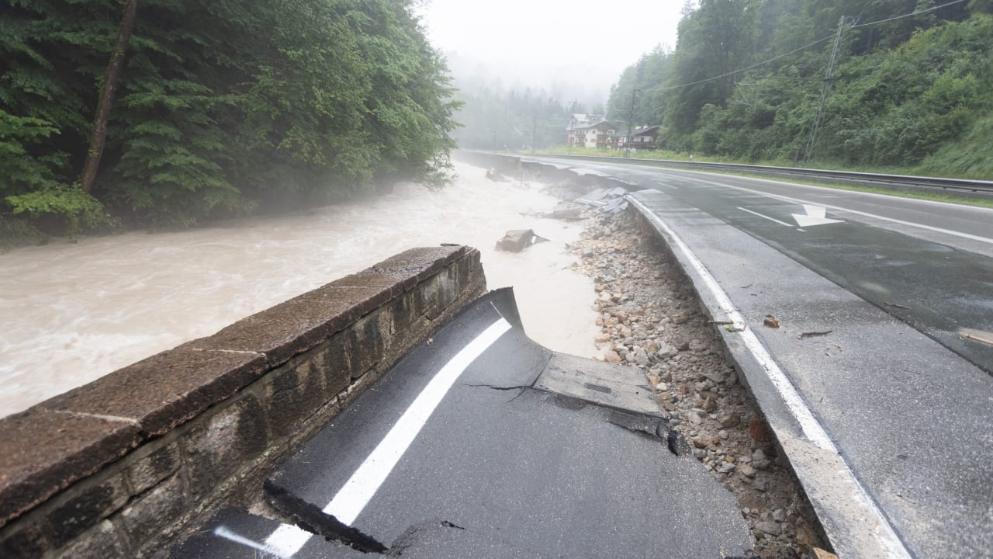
907,94
172,112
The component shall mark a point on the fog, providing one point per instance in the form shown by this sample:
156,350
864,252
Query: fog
574,50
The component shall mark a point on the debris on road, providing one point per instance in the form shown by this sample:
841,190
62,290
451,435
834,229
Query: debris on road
569,211
980,336
771,321
806,335
608,201
517,240
495,175
651,319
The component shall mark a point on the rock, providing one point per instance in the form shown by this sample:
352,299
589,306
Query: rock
638,357
759,431
694,418
698,346
746,470
722,434
761,485
771,321
779,515
662,387
710,404
682,345
805,536
725,468
517,240
603,338
759,460
822,554
729,420
665,351
769,527
611,357
704,441
568,211
682,318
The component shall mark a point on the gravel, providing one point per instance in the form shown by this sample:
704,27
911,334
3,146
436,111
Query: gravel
650,318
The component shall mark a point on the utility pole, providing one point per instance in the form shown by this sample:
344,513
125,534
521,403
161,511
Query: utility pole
627,142
534,127
828,81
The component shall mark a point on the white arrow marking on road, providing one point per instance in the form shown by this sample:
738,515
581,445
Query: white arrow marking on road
815,216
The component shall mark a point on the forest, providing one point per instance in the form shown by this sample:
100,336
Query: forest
852,83
172,112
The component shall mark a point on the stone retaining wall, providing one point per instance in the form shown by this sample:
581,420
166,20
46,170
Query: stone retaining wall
119,466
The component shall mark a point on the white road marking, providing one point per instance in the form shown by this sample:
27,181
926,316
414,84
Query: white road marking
224,532
815,215
856,212
812,429
348,503
763,216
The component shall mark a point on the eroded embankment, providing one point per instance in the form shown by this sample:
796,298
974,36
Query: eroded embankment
650,318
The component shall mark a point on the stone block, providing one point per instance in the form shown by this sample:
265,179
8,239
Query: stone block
166,390
24,539
84,506
44,451
303,322
336,363
102,541
222,444
366,343
294,392
149,467
156,511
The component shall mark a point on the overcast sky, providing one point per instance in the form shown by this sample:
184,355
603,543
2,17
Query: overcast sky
569,47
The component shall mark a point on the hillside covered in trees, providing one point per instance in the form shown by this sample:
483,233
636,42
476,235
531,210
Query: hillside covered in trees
210,108
847,82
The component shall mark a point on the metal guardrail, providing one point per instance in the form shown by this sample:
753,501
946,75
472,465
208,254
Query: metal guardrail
965,186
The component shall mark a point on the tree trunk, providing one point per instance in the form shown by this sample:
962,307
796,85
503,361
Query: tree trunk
98,137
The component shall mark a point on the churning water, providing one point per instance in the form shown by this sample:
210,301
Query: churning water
71,313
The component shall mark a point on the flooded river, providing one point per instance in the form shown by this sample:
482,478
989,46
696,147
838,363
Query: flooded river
71,313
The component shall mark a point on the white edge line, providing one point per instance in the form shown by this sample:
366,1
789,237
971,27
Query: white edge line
969,236
845,190
765,217
812,428
348,503
230,535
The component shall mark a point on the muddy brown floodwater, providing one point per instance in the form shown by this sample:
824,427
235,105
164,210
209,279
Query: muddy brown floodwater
71,313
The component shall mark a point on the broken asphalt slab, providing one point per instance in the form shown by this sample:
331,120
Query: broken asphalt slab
524,471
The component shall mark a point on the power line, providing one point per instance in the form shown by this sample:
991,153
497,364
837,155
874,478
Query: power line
807,46
750,67
911,14
828,78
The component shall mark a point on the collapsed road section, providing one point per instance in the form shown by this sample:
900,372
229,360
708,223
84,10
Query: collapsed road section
483,443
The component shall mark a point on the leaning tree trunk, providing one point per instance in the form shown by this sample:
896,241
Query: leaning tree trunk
98,137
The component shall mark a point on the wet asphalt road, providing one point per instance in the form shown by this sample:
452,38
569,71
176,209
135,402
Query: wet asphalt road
928,264
887,283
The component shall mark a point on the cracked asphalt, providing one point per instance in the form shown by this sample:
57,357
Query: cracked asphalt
501,468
